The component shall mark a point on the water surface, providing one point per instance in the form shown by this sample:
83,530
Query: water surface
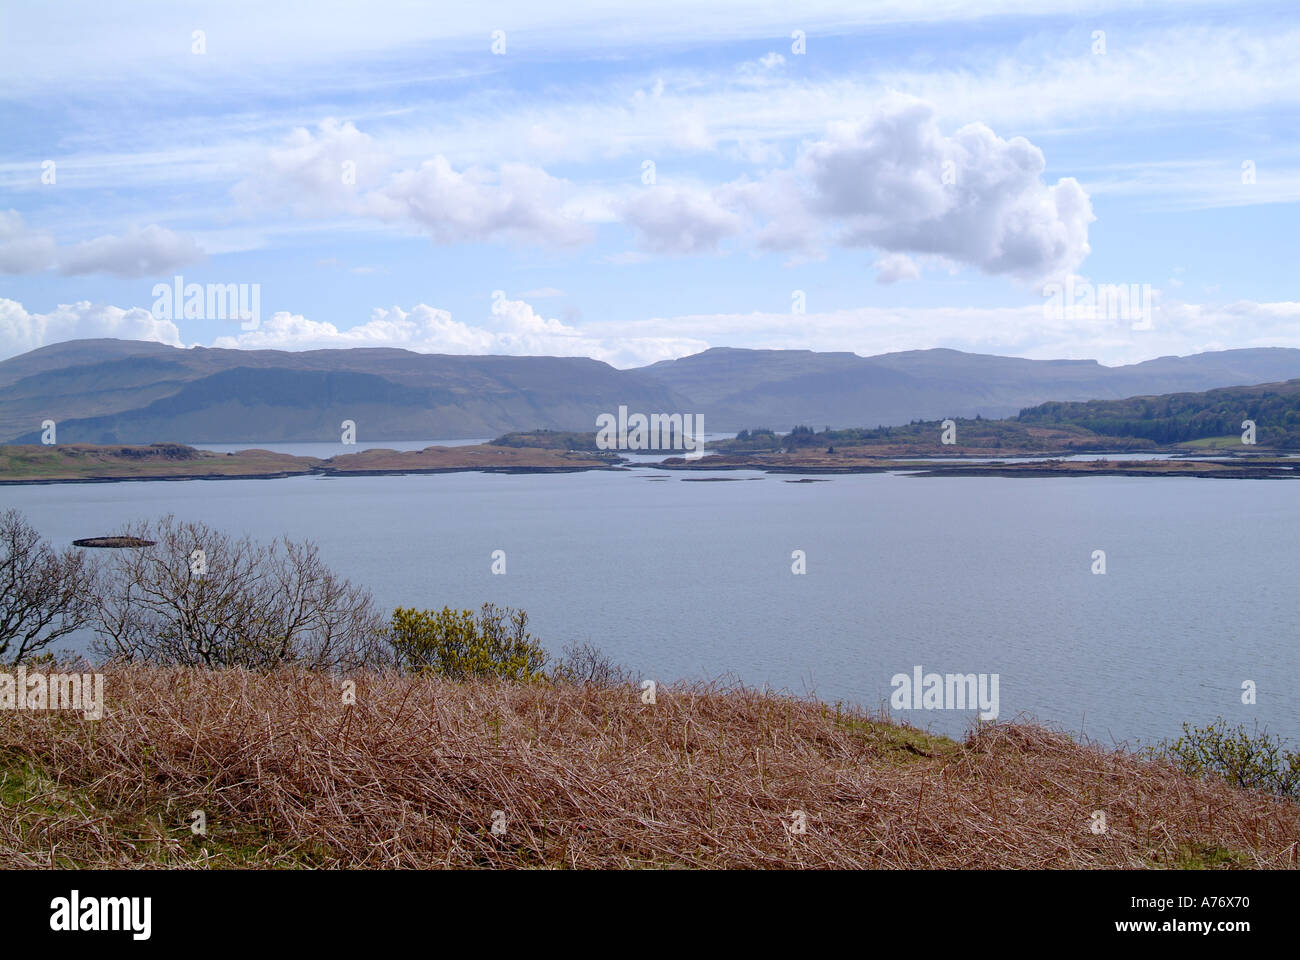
688,579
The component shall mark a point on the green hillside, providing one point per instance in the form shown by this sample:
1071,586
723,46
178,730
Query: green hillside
1186,417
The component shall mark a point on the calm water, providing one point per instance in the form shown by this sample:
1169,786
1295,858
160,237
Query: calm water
687,579
325,450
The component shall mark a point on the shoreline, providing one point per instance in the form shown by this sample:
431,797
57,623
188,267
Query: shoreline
1032,469
398,472
91,463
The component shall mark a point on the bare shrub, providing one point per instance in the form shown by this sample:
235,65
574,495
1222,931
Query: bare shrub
44,593
199,597
585,663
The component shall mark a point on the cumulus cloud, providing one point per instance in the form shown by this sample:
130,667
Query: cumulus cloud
21,331
337,169
896,266
23,250
140,252
316,173
677,220
894,182
781,219
515,329
1029,330
421,328
515,202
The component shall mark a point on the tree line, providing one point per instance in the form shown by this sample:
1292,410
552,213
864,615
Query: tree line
1182,417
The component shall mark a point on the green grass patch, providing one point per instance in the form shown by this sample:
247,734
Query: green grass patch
901,744
1209,856
155,835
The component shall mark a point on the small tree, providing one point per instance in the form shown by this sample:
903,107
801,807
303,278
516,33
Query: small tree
458,645
199,597
1256,761
44,593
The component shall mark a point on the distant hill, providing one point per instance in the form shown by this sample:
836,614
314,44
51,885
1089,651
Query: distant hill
113,391
121,391
779,389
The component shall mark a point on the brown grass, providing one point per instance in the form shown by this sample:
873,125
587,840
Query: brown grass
480,456
86,461
409,776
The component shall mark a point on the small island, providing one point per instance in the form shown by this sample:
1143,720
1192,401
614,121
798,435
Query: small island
107,463
1184,435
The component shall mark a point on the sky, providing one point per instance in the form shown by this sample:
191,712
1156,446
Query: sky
642,180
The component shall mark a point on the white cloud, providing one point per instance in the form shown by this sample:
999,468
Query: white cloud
140,252
340,170
896,266
253,43
1049,82
516,329
515,202
1030,330
892,181
21,331
423,328
315,173
896,183
1177,329
23,250
678,220
782,219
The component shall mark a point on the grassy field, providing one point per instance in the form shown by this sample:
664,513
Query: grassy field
1232,443
417,770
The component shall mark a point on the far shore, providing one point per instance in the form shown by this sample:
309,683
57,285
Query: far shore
98,463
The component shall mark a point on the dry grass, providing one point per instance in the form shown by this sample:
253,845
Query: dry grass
480,456
87,461
409,776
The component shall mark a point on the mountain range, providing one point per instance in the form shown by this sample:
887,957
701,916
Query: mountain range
123,391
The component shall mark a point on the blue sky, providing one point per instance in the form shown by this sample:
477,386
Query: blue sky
919,175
